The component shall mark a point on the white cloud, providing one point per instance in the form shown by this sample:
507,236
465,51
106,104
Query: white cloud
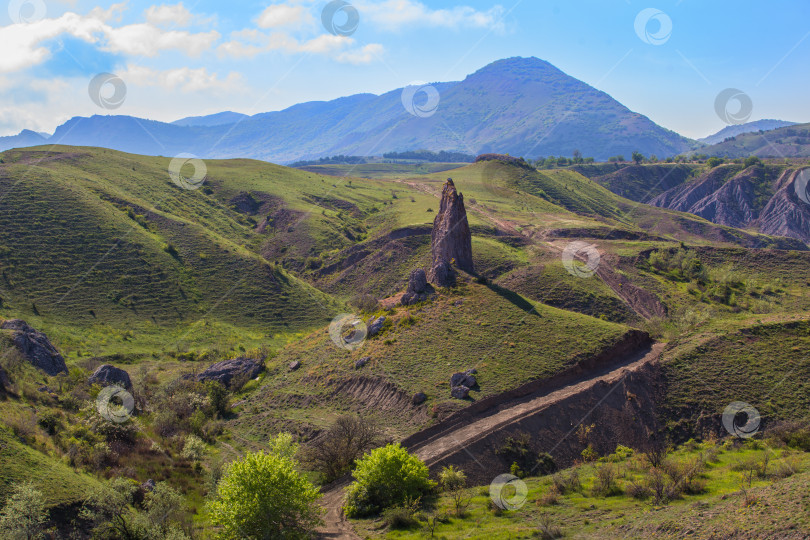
283,15
22,44
176,15
249,43
396,14
183,79
361,56
148,40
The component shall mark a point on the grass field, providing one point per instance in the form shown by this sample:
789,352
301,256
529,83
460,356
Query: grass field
723,504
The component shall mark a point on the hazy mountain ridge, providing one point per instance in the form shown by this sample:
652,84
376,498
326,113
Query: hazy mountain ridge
786,142
740,129
521,106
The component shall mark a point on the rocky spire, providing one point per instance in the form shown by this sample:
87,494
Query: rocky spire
451,242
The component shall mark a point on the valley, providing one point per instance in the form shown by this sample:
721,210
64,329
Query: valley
657,318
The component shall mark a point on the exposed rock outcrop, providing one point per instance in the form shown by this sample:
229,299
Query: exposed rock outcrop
375,325
35,347
450,240
764,196
788,213
419,398
108,374
461,383
417,290
225,371
362,362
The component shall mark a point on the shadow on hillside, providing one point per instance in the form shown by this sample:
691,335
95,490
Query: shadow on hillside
509,295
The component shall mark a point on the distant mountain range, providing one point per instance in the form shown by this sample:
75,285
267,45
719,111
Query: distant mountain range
750,127
786,142
521,106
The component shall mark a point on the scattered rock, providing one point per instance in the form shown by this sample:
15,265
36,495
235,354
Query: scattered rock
458,302
107,374
362,362
417,290
375,325
460,392
149,485
450,240
224,372
295,365
35,347
43,389
443,274
463,379
419,398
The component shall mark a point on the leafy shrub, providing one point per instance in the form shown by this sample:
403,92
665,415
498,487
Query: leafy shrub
590,453
50,421
605,481
567,482
262,495
453,481
402,517
24,514
386,477
622,453
193,449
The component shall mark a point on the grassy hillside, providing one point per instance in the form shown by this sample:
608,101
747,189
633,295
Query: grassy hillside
508,339
765,365
117,264
718,501
19,463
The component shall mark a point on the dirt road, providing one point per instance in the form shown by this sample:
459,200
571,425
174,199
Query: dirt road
457,438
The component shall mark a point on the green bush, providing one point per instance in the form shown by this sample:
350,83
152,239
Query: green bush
264,496
24,514
193,449
386,477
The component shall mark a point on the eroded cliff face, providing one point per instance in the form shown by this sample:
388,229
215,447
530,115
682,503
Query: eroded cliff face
765,197
788,214
451,243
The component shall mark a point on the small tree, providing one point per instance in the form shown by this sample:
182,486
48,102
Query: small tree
386,477
262,496
453,481
193,449
335,452
108,509
24,515
638,157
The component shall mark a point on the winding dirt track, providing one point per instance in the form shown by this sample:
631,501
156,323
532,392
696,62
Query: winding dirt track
457,438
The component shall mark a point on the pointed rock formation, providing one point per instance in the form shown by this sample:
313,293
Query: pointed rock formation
451,243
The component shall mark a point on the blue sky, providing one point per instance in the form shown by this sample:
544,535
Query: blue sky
201,57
